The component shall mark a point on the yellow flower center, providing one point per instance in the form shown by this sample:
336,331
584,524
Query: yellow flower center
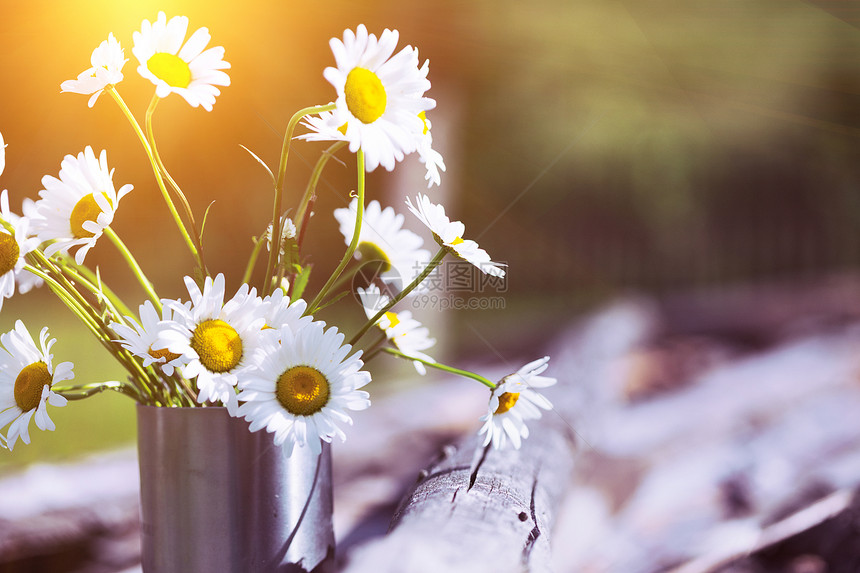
365,95
371,253
29,384
393,319
342,128
217,344
302,390
163,353
457,241
170,68
9,253
507,401
423,116
85,210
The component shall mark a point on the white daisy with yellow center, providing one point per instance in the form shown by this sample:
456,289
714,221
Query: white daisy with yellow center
406,333
26,377
144,341
379,95
178,66
75,209
449,234
217,340
25,280
13,247
303,387
431,158
393,253
107,61
513,402
278,311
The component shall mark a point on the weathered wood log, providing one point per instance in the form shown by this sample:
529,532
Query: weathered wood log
478,509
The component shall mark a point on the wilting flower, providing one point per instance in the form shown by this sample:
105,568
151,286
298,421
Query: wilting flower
449,234
177,66
431,158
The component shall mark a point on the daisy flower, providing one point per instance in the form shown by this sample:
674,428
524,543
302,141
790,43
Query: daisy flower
449,234
13,248
217,340
277,312
77,207
431,158
178,66
379,95
25,280
406,333
326,126
144,341
383,240
513,402
107,62
26,376
302,388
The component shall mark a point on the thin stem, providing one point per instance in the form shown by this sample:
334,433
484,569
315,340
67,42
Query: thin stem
350,251
154,164
444,367
311,189
375,348
87,390
79,306
249,268
94,284
274,254
93,323
431,266
135,268
189,214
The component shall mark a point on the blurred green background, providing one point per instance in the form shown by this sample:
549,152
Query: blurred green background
597,147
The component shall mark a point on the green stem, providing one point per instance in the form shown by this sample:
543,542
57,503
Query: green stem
154,164
135,268
87,390
189,214
249,268
311,189
444,367
274,253
89,280
350,251
431,266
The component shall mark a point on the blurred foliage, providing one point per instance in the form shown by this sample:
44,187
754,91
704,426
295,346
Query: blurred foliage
657,145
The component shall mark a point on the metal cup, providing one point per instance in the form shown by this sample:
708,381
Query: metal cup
216,497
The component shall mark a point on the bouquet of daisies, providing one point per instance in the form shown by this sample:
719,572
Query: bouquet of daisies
259,351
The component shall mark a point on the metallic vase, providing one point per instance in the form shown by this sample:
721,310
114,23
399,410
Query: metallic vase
216,497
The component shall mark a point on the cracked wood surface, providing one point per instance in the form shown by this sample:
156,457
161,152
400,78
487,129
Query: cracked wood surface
478,509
